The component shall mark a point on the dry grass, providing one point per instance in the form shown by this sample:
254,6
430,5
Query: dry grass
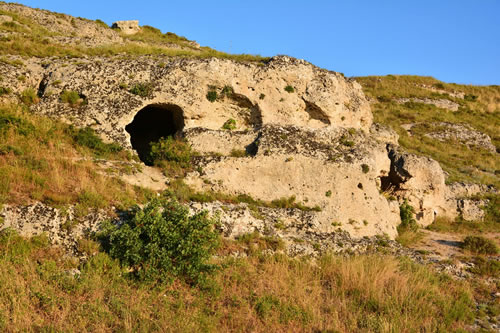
258,294
40,160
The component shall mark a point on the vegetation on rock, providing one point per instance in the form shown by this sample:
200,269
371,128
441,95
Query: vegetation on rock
144,89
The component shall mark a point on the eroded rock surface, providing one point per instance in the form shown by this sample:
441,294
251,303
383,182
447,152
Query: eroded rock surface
63,226
440,103
297,131
319,99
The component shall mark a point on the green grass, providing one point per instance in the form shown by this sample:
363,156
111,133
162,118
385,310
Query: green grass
71,97
258,293
29,97
409,237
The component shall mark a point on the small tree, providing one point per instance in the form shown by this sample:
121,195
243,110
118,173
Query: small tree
407,221
162,241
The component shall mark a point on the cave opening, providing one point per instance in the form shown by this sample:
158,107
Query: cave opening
152,123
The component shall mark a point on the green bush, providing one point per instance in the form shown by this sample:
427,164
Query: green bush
86,137
212,95
229,125
408,223
171,150
365,168
470,98
479,245
162,241
72,97
289,89
142,89
29,96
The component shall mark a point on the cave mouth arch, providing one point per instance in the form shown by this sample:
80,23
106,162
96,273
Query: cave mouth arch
151,123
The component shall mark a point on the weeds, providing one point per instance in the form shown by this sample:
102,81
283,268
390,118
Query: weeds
29,97
171,150
144,89
479,245
212,95
408,223
73,98
238,153
229,125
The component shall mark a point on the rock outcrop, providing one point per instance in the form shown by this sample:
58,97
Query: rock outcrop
127,27
305,133
440,103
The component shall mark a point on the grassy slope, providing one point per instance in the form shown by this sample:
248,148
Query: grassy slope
42,159
461,163
29,39
258,294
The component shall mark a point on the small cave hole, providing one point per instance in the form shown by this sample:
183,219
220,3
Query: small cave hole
152,123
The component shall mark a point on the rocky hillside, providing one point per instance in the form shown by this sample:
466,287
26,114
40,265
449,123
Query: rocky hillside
276,131
98,124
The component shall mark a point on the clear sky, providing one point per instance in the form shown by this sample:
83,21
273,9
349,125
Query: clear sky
452,40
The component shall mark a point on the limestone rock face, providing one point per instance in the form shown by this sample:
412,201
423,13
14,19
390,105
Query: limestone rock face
313,165
320,99
62,228
127,27
440,103
421,181
463,133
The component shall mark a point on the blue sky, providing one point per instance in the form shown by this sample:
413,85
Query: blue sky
452,40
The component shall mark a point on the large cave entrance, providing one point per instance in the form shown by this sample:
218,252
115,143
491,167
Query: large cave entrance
152,123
